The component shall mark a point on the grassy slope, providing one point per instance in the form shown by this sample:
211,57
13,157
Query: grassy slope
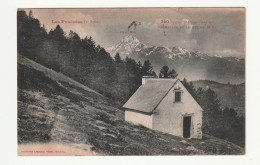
53,108
232,96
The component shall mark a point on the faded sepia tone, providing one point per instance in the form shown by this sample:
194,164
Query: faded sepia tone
131,81
229,37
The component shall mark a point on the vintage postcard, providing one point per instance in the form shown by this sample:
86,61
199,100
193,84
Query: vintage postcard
131,81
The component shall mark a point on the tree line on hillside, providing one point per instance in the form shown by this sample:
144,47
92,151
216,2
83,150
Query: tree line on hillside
80,59
90,64
222,123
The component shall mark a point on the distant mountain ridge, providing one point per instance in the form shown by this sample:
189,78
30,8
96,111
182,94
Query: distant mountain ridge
232,96
193,65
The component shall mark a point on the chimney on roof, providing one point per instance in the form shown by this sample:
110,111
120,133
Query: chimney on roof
145,78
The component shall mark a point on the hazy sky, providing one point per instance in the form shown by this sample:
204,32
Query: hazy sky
225,37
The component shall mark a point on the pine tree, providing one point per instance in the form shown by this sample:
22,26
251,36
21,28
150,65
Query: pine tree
30,14
118,58
57,34
166,73
30,34
147,69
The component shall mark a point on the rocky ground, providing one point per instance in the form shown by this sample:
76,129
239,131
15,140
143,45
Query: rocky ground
54,110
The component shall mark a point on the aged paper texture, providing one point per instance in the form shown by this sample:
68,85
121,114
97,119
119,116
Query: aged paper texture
131,81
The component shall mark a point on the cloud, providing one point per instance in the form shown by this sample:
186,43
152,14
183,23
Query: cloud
153,25
226,40
228,52
46,16
185,22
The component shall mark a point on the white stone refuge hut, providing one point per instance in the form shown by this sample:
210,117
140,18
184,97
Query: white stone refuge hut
165,105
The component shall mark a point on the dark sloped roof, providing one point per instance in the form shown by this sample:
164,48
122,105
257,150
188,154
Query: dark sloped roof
149,95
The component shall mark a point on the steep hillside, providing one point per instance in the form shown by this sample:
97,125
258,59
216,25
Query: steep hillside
56,111
193,65
232,96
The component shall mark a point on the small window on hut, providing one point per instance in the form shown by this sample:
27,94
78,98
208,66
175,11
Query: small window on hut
177,96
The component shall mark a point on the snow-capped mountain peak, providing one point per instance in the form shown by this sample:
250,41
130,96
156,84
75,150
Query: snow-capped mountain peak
130,40
193,65
127,45
132,47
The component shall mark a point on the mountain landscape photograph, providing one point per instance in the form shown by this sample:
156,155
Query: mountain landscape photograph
194,65
131,81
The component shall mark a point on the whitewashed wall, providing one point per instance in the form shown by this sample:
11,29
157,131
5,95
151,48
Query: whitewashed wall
138,118
169,115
